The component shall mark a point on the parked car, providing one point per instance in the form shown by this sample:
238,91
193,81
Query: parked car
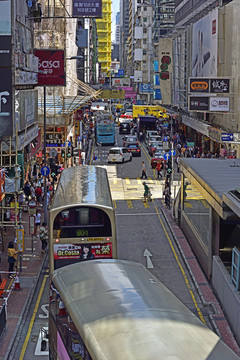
135,149
130,139
124,128
153,147
159,156
119,155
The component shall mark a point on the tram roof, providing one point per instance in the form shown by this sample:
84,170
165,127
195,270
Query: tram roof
123,312
87,185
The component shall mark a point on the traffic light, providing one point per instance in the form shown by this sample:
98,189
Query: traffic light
69,151
63,152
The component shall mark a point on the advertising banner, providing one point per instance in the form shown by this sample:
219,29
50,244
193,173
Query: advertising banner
204,46
5,17
219,104
198,103
146,88
69,253
6,121
51,67
5,50
91,8
28,106
213,85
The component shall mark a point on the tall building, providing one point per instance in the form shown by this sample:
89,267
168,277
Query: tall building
117,31
163,20
104,37
124,31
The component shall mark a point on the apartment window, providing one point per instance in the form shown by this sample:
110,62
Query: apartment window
144,19
144,52
145,8
144,41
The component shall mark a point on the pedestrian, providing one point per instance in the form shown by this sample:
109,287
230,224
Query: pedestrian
144,175
146,192
44,236
37,221
12,258
159,168
83,154
167,195
27,190
38,193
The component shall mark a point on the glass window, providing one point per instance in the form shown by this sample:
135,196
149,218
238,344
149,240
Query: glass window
87,221
197,210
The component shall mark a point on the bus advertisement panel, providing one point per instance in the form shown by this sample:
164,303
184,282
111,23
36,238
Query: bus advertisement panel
66,254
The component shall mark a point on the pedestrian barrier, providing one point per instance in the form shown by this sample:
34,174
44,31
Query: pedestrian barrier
17,284
2,286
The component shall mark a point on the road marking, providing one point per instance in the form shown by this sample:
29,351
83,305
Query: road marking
148,256
42,336
45,311
33,319
127,181
129,204
145,203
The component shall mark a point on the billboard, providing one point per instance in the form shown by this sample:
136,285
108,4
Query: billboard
5,50
120,81
204,46
198,103
28,107
112,94
91,8
146,88
6,121
219,104
213,85
51,67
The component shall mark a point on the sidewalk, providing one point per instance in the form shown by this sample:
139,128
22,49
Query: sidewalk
218,319
18,301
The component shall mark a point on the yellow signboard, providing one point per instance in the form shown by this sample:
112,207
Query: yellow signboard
112,94
141,110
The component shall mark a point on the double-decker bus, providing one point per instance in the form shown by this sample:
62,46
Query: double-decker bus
118,310
82,218
105,129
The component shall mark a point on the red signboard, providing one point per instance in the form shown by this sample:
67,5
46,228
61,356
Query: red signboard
51,67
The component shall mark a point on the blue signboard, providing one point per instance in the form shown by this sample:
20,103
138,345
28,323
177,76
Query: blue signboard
67,143
166,156
157,94
165,138
146,88
121,73
45,171
227,137
156,80
172,152
155,65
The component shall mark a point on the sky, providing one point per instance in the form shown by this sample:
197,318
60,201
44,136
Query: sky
115,9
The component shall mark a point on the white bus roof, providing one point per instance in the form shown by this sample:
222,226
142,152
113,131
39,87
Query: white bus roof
82,185
123,312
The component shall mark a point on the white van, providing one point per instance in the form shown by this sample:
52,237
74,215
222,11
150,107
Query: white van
150,133
119,155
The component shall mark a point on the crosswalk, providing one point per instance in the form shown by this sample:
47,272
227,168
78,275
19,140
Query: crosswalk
132,188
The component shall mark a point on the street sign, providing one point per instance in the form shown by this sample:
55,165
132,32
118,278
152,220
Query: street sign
172,152
67,143
166,156
227,137
32,204
53,153
20,240
45,170
31,225
165,138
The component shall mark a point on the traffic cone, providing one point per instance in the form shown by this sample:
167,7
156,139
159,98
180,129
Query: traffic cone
17,283
62,310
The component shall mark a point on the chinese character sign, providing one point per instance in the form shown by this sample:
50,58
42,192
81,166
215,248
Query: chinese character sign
51,67
91,8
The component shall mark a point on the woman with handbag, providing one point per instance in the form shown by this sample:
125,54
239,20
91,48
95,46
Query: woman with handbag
12,258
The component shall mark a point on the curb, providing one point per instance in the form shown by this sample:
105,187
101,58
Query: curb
13,342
